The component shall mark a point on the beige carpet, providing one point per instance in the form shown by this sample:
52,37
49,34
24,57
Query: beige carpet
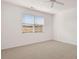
45,50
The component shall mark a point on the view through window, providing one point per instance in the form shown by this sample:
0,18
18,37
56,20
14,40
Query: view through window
32,23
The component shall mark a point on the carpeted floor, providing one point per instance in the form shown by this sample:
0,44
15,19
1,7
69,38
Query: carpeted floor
44,50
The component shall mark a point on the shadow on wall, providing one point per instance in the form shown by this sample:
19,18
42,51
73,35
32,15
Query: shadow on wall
65,26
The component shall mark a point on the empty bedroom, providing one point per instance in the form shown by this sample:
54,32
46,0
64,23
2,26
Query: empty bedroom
38,29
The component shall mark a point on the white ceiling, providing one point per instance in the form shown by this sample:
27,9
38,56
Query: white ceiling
44,5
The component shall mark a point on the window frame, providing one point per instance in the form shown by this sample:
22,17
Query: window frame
34,23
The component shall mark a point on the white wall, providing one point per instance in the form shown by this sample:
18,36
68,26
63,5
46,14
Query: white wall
11,27
61,28
64,26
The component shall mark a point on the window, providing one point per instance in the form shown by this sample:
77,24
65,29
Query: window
32,23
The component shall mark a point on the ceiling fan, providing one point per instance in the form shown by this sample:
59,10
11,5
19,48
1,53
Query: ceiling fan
55,1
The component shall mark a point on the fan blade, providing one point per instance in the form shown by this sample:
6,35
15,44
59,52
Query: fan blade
53,0
59,2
